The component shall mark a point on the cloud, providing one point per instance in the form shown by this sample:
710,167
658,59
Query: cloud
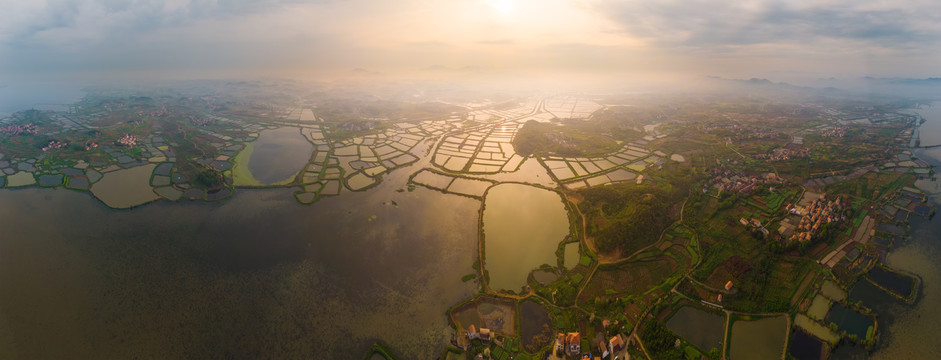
100,18
59,36
735,38
701,23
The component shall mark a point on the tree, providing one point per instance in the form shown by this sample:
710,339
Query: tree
210,178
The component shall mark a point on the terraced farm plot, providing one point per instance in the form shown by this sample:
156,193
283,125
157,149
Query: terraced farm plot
488,149
359,181
361,160
433,180
570,107
469,187
598,171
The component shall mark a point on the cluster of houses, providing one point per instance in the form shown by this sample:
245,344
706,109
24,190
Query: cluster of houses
16,129
570,344
128,140
91,145
482,335
201,121
358,125
834,132
784,154
821,211
54,144
750,132
756,224
728,180
566,344
155,113
112,106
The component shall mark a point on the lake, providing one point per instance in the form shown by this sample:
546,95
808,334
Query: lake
254,275
523,226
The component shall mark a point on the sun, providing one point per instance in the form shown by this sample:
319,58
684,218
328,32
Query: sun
501,6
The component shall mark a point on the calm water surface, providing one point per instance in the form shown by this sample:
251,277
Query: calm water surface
279,154
255,276
523,226
910,331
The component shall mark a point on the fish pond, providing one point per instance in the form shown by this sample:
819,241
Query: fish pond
523,226
899,284
832,291
571,257
701,328
536,330
545,276
819,307
806,347
758,339
126,188
851,321
816,329
273,159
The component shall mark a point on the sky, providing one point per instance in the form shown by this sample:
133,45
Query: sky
181,39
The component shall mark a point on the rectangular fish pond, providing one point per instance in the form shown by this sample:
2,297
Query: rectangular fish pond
701,328
758,339
851,321
805,346
900,285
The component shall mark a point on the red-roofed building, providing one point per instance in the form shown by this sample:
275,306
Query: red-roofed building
485,334
616,343
574,343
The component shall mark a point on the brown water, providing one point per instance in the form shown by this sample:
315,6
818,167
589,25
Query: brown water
523,226
255,276
758,339
279,154
910,331
126,188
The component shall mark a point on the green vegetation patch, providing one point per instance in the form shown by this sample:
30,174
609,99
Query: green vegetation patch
627,218
570,138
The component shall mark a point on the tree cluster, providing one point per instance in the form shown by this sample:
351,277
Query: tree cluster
626,218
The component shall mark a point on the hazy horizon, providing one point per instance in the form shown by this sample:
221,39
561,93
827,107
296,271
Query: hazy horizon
797,41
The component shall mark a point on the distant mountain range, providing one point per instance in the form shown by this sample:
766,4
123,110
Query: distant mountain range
932,81
925,88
